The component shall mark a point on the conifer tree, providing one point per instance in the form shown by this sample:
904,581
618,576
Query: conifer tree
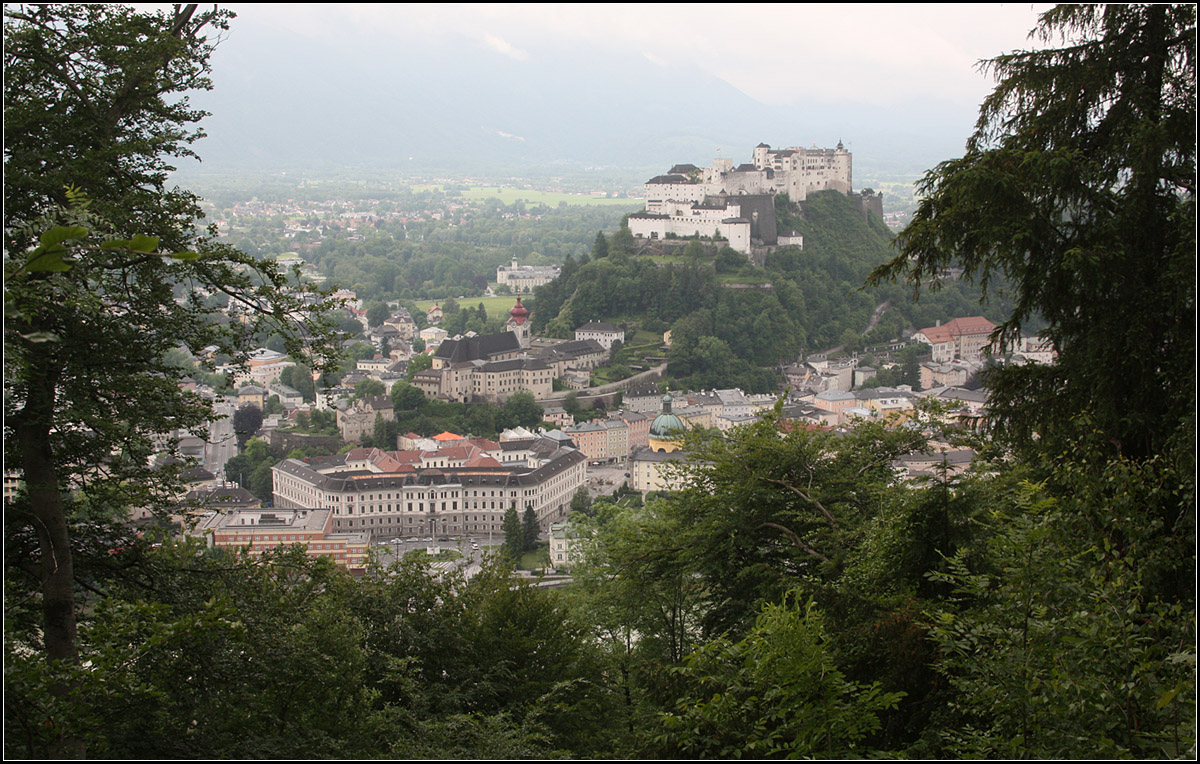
600,248
1078,185
530,529
514,534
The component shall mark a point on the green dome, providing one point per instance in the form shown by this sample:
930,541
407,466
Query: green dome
666,424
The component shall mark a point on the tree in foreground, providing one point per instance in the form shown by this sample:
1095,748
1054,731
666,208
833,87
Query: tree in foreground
105,272
1070,629
777,693
1078,185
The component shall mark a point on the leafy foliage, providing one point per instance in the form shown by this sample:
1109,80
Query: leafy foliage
247,419
1064,648
94,97
775,693
804,498
288,656
1079,186
1042,606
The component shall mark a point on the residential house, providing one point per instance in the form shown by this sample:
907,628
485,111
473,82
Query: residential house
358,419
563,545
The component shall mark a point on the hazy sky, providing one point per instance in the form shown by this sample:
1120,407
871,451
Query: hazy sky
776,53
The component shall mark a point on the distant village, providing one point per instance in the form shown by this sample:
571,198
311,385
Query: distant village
592,438
305,223
456,484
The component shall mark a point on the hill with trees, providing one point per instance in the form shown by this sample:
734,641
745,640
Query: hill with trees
794,599
730,320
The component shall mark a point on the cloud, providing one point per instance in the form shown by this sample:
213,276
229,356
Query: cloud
776,53
654,59
502,46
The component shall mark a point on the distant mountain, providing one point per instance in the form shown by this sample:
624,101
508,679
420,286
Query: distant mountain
281,106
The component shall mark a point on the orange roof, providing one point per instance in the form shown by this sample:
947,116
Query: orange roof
936,334
386,464
448,436
971,325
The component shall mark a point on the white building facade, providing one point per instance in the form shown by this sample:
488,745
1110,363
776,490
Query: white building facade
522,279
465,487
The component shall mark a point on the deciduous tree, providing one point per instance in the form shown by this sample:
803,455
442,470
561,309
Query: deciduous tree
776,693
247,419
103,279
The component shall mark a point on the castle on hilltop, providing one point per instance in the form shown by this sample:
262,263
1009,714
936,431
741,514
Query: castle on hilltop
737,203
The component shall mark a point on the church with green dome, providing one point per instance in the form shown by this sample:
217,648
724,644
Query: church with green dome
666,430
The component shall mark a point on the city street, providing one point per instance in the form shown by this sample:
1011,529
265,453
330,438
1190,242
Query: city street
222,445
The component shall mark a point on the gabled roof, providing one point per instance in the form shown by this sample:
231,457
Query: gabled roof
512,364
643,389
480,459
378,402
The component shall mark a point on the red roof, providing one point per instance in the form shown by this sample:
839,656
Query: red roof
455,452
957,328
519,313
480,459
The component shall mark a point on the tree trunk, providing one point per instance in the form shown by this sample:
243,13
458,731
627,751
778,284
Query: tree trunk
49,512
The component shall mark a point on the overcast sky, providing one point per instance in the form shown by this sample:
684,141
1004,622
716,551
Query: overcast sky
776,53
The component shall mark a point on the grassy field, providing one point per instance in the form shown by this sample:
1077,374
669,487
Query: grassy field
532,197
643,337
493,305
538,558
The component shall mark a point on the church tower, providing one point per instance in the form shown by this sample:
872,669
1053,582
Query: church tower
518,323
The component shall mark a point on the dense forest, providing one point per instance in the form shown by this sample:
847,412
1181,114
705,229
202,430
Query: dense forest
794,599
